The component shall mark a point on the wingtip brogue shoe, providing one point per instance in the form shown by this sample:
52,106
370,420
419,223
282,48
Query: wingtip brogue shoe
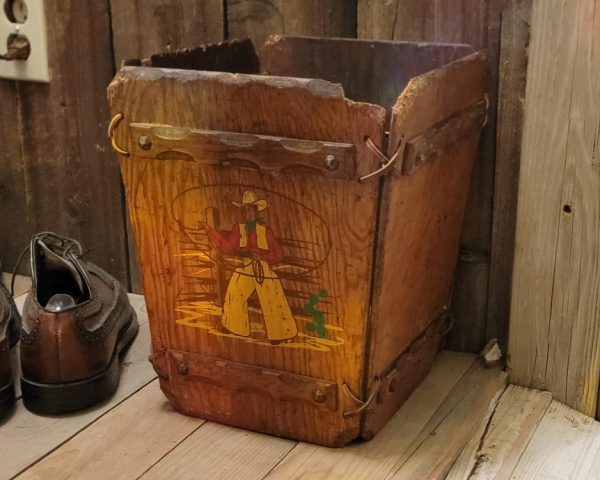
77,320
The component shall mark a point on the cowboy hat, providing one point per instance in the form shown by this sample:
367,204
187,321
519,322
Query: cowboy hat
249,198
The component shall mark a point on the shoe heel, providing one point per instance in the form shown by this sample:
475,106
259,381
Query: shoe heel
55,399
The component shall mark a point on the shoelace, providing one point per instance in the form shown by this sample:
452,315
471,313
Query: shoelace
60,245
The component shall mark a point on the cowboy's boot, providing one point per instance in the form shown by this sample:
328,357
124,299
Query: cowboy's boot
77,320
10,323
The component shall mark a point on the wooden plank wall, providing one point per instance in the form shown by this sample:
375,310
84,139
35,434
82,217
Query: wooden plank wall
141,28
475,22
58,172
555,314
60,128
321,18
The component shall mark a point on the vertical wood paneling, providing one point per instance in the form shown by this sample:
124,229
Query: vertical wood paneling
258,19
142,28
516,17
64,175
555,313
14,196
476,22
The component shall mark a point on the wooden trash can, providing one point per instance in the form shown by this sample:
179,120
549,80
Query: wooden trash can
297,213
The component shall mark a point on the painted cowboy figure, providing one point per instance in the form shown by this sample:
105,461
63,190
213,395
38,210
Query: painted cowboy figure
257,245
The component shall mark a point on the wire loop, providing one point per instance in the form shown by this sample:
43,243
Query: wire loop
111,134
486,99
363,405
387,163
448,324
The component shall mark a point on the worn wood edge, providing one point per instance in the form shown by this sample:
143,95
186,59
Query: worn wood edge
428,145
244,45
314,87
514,60
468,458
483,468
495,450
449,95
273,40
317,87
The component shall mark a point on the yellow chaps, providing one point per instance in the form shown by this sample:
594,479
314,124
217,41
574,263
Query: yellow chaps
279,321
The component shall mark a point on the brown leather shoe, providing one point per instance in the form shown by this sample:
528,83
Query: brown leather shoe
10,322
77,320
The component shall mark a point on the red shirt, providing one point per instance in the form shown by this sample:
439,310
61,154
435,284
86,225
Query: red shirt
230,244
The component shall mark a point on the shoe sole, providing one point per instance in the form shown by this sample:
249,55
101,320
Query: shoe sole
7,400
54,399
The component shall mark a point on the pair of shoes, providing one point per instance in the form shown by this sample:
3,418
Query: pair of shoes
76,322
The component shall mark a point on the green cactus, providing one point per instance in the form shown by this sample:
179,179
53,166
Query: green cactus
318,317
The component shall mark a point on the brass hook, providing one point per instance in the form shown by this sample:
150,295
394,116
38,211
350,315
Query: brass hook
111,133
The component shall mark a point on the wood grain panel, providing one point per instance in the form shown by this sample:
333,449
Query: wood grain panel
555,313
257,19
142,28
477,23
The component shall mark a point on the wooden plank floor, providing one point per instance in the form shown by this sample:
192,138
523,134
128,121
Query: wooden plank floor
462,422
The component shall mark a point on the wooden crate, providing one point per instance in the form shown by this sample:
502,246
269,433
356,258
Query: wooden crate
316,321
